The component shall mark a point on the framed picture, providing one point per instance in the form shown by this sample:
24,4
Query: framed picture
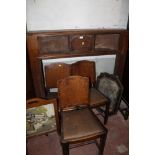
40,116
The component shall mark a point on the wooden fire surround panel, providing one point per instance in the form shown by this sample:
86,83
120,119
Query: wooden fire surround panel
72,43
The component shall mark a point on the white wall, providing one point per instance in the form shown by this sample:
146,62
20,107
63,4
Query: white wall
76,14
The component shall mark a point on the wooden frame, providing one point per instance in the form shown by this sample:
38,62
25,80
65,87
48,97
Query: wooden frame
41,117
36,56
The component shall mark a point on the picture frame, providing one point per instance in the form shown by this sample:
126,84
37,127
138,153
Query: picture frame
41,116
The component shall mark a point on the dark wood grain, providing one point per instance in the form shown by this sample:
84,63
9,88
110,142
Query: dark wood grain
107,41
29,82
55,72
77,54
81,42
85,68
35,63
73,91
53,44
122,54
77,31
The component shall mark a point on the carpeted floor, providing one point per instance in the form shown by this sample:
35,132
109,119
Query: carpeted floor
117,141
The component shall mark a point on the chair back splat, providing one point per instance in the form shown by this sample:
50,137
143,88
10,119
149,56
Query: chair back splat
85,68
74,92
53,73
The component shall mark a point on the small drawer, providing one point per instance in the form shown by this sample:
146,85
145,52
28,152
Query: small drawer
82,42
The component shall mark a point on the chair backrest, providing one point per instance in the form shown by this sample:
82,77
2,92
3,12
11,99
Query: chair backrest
55,72
111,87
73,92
85,68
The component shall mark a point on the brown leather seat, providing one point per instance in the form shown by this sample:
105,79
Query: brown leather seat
78,124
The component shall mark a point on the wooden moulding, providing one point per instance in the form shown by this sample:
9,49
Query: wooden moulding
77,31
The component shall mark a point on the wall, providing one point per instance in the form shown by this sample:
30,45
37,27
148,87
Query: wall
76,14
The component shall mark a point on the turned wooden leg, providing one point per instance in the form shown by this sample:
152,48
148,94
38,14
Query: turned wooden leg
106,112
102,143
26,147
65,148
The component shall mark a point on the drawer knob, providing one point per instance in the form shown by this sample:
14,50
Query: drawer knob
82,43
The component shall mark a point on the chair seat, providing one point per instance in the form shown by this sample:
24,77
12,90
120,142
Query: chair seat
80,124
96,98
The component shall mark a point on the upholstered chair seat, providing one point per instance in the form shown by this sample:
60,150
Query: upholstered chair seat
78,124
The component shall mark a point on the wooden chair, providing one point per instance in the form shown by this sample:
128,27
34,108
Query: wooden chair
87,69
78,123
57,71
53,73
111,87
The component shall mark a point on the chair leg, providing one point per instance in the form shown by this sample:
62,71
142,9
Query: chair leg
65,148
102,143
107,113
26,147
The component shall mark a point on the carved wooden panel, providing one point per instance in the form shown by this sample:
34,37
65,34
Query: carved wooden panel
82,42
107,41
52,44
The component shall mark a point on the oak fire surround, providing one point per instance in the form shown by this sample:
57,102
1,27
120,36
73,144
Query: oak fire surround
43,45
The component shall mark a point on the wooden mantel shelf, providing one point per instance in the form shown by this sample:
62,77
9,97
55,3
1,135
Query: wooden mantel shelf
76,54
77,31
